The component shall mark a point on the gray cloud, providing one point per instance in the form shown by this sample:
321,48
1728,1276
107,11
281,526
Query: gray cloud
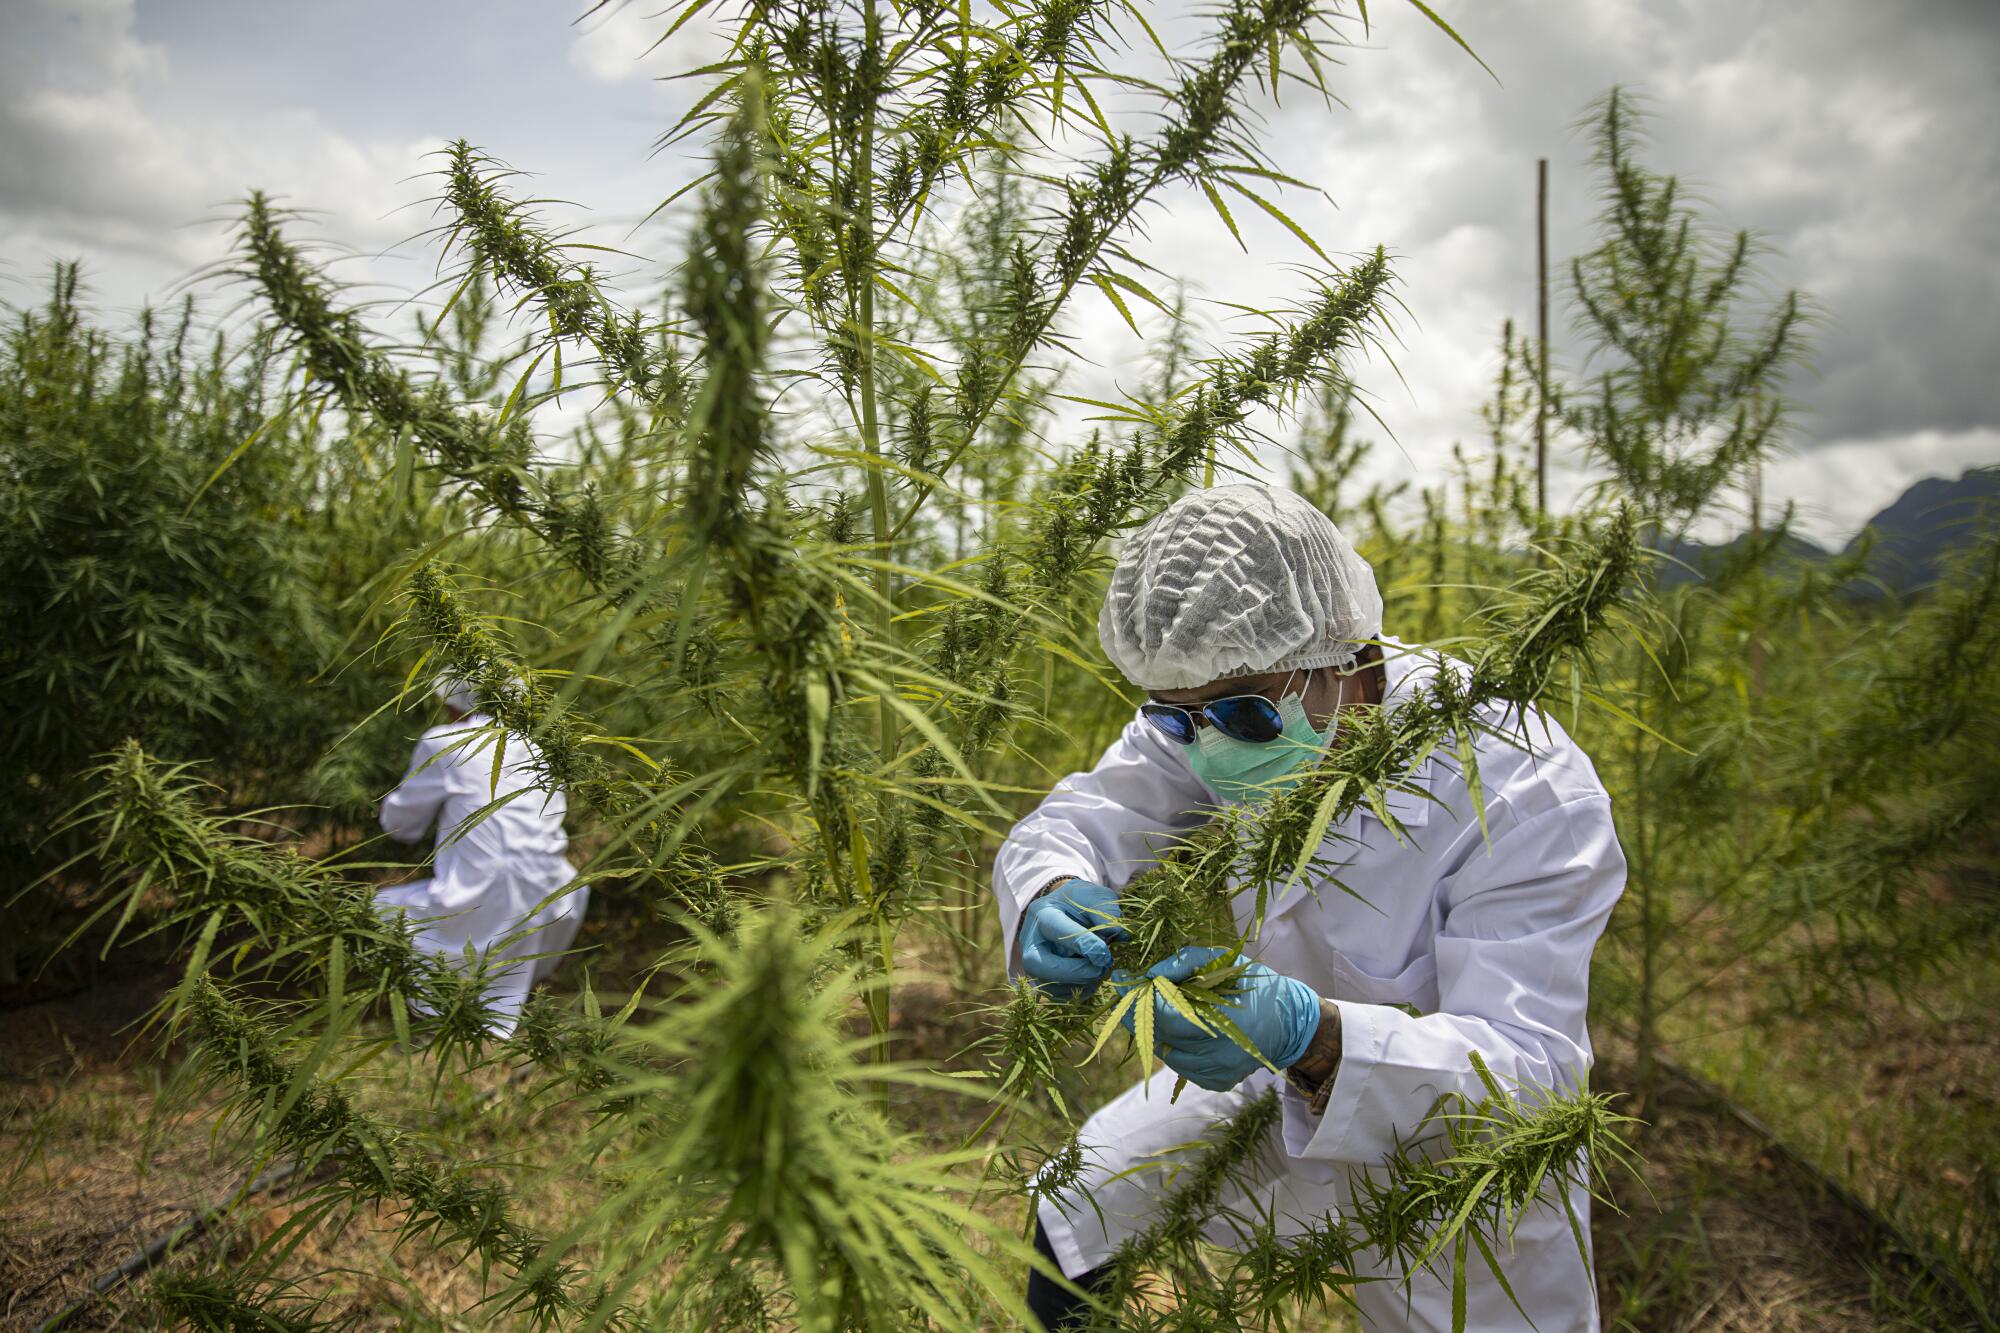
1855,136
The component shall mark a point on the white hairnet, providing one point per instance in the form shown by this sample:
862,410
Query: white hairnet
455,693
1233,581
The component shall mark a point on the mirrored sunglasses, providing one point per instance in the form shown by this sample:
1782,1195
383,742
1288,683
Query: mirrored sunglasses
1241,717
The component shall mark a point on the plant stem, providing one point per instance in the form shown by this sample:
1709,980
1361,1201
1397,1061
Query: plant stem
862,283
1649,913
1235,63
862,286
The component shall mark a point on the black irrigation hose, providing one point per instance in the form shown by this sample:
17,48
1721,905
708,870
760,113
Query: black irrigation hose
1884,1228
196,1221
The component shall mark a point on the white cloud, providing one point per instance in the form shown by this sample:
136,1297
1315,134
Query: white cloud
625,40
1840,486
1857,138
105,162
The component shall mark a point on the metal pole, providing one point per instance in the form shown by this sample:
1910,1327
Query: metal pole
1757,620
1542,337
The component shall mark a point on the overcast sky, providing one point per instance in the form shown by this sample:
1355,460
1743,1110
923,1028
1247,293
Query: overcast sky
1858,138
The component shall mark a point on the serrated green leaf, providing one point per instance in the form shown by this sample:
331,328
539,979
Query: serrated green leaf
1279,213
1452,33
1112,1022
1111,294
1182,1004
1142,1037
1222,211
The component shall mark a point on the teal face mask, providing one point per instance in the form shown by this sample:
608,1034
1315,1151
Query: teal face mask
1247,772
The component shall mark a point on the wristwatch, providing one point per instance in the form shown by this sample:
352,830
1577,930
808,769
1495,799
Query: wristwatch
1313,1073
1052,886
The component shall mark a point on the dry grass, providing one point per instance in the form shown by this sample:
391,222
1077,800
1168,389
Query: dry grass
1897,1095
1730,1238
89,1175
1723,1233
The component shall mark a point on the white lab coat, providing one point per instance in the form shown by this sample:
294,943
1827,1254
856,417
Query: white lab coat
1488,935
493,879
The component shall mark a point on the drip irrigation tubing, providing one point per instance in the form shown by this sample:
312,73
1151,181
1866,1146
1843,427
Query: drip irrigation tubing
1884,1228
195,1222
191,1226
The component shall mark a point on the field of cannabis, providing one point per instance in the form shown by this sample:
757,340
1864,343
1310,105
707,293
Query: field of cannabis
787,576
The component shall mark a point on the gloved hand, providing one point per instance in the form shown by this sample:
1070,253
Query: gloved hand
1063,936
1278,1014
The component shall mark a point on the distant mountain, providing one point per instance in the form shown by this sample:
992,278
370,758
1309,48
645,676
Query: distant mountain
1686,561
1913,534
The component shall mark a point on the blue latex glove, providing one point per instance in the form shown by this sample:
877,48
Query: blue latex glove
1279,1015
1063,938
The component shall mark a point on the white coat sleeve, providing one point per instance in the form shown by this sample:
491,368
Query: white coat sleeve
1513,959
413,806
1105,825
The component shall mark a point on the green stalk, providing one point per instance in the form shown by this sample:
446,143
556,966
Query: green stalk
1228,66
871,428
863,287
1649,923
878,505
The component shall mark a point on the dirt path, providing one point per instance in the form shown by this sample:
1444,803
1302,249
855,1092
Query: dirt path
1724,1230
1722,1233
89,1175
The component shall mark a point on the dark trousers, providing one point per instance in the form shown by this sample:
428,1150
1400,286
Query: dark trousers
1054,1307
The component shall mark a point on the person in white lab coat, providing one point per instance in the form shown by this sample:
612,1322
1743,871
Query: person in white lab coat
498,871
1251,622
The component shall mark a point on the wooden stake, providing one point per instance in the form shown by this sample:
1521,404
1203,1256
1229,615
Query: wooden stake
1542,336
1757,619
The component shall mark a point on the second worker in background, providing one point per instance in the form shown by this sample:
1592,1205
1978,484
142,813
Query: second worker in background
499,873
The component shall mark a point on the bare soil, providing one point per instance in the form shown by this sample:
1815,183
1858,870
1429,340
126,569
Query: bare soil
1720,1232
1723,1231
89,1176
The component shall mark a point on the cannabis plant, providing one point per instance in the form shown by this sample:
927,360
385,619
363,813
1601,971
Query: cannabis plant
775,625
1680,400
145,595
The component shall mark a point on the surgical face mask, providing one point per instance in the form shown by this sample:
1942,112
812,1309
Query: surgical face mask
1247,772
